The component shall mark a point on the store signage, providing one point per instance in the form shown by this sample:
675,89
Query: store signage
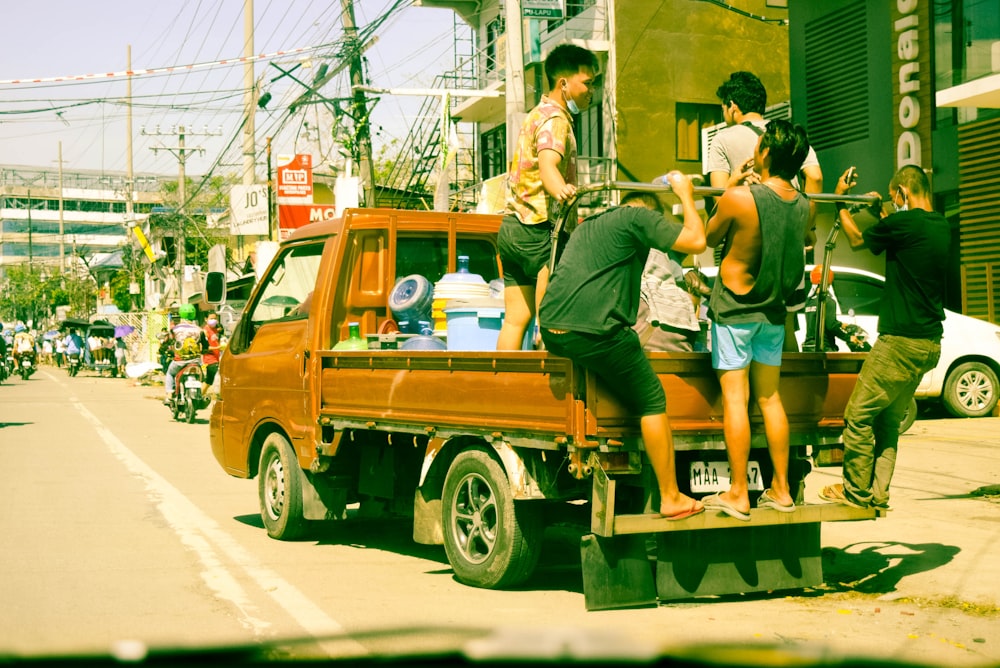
912,82
542,9
295,176
248,204
293,216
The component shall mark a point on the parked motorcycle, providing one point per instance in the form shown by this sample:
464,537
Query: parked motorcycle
188,397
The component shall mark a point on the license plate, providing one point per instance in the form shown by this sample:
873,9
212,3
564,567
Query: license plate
192,383
26,362
714,477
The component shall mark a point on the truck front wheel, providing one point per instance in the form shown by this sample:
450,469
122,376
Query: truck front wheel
491,540
280,489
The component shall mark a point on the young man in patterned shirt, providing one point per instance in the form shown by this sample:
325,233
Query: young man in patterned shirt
542,174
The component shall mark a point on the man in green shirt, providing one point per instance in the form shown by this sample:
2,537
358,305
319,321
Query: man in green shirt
592,301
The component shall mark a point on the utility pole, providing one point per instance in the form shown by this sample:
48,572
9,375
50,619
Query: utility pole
62,230
181,152
249,98
514,81
360,104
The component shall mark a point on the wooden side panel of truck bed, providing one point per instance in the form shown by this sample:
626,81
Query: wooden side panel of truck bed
545,396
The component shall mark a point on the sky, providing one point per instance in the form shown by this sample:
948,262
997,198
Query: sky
47,39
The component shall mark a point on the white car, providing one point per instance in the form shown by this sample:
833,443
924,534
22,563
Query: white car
965,378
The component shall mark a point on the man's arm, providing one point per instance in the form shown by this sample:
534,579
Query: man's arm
847,224
813,184
552,179
691,240
730,205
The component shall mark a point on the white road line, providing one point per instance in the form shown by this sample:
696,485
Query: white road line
200,533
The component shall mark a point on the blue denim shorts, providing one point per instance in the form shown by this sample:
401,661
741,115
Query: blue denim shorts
735,346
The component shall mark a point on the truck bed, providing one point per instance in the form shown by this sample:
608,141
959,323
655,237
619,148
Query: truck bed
537,399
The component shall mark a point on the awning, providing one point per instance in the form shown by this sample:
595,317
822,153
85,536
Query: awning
983,93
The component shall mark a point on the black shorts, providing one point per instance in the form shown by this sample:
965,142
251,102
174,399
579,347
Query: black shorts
618,360
524,250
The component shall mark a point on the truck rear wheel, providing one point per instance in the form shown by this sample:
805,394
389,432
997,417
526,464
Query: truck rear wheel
280,489
491,540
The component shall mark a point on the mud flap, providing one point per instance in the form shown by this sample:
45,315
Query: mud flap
745,559
617,572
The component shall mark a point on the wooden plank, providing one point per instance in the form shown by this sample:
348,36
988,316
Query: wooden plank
807,514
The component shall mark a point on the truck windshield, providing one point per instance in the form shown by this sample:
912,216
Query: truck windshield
289,286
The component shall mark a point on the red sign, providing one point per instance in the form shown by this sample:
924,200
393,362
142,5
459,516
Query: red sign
294,216
295,177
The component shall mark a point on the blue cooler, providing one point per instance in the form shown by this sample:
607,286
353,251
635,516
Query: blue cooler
474,324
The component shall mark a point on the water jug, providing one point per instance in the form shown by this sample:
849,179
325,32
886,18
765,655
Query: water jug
354,341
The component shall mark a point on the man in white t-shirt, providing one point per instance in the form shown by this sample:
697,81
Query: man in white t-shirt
730,160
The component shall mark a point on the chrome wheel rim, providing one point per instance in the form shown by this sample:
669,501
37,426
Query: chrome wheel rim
274,489
475,518
974,390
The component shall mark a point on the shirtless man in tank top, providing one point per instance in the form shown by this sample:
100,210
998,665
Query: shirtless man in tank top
763,229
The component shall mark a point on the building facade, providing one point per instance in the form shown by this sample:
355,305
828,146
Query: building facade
661,64
896,82
91,226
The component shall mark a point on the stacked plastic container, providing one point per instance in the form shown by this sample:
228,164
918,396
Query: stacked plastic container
473,316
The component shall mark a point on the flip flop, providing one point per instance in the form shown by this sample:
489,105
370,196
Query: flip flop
835,494
684,514
766,501
716,502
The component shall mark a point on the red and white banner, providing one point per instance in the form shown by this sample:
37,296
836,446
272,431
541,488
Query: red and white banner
295,176
293,216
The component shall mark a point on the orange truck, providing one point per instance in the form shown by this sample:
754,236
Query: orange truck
484,449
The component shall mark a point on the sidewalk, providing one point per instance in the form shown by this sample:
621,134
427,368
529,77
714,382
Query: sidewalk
941,541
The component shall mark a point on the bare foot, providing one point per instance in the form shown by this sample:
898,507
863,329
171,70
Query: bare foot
680,506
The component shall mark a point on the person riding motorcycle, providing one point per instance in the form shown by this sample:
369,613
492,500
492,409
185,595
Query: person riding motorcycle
73,345
213,333
24,344
189,344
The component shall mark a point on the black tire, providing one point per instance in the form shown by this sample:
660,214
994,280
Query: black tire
189,410
909,417
491,540
25,372
971,390
279,487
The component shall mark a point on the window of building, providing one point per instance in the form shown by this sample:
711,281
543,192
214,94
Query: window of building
494,29
493,150
589,125
692,118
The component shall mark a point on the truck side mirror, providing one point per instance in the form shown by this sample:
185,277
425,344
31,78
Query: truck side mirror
215,287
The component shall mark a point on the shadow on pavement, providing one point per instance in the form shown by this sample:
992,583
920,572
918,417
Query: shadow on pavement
876,568
14,424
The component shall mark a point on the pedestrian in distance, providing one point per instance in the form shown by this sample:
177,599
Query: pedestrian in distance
542,176
590,307
763,229
916,241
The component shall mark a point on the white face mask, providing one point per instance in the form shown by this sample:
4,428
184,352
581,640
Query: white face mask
570,102
905,205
